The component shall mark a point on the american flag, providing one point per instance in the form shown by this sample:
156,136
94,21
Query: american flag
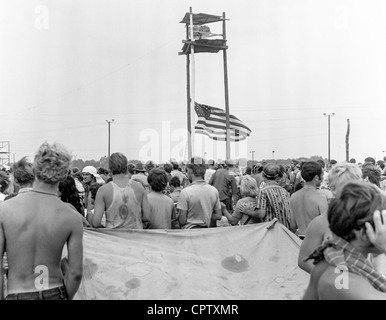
212,122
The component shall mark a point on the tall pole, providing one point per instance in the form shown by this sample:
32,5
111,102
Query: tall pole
273,155
192,87
189,121
108,123
253,152
348,140
228,143
329,120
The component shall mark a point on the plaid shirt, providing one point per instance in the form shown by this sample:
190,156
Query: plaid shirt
275,200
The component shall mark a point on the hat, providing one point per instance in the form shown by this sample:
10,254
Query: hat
231,163
271,171
139,167
92,170
211,162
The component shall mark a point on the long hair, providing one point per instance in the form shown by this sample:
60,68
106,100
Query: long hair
69,193
248,187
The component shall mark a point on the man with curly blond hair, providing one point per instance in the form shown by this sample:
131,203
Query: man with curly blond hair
34,228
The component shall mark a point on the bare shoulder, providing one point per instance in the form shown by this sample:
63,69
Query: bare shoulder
339,284
137,186
5,205
319,222
318,196
316,231
8,207
71,214
296,194
105,188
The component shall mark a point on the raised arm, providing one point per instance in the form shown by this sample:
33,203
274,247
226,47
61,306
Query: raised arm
377,235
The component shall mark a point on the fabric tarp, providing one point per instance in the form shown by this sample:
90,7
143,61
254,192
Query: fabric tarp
257,261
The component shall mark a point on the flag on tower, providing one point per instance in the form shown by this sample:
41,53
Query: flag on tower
212,123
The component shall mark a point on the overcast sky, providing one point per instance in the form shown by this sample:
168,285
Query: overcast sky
68,66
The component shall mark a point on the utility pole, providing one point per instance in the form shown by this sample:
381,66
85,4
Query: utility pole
108,123
273,155
329,117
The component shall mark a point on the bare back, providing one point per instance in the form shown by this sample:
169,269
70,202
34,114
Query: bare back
326,283
317,231
36,227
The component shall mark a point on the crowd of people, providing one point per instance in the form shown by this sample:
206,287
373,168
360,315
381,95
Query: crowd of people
336,209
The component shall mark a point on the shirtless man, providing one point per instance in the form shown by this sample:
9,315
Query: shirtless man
308,203
123,201
318,229
34,228
342,270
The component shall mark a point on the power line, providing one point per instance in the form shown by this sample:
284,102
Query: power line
104,76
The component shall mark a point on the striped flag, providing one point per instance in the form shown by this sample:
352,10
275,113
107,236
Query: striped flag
212,123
